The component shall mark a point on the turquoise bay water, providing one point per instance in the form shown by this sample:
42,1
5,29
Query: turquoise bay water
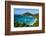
24,19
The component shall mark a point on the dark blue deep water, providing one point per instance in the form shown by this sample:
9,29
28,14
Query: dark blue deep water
24,19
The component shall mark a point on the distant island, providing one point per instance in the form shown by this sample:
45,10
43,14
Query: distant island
29,14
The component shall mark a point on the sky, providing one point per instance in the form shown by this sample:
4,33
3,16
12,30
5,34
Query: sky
23,10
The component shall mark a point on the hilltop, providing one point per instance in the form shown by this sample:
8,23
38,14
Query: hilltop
30,14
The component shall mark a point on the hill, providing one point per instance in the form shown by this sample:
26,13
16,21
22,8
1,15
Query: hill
29,14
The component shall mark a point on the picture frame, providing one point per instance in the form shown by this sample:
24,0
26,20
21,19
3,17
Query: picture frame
10,5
